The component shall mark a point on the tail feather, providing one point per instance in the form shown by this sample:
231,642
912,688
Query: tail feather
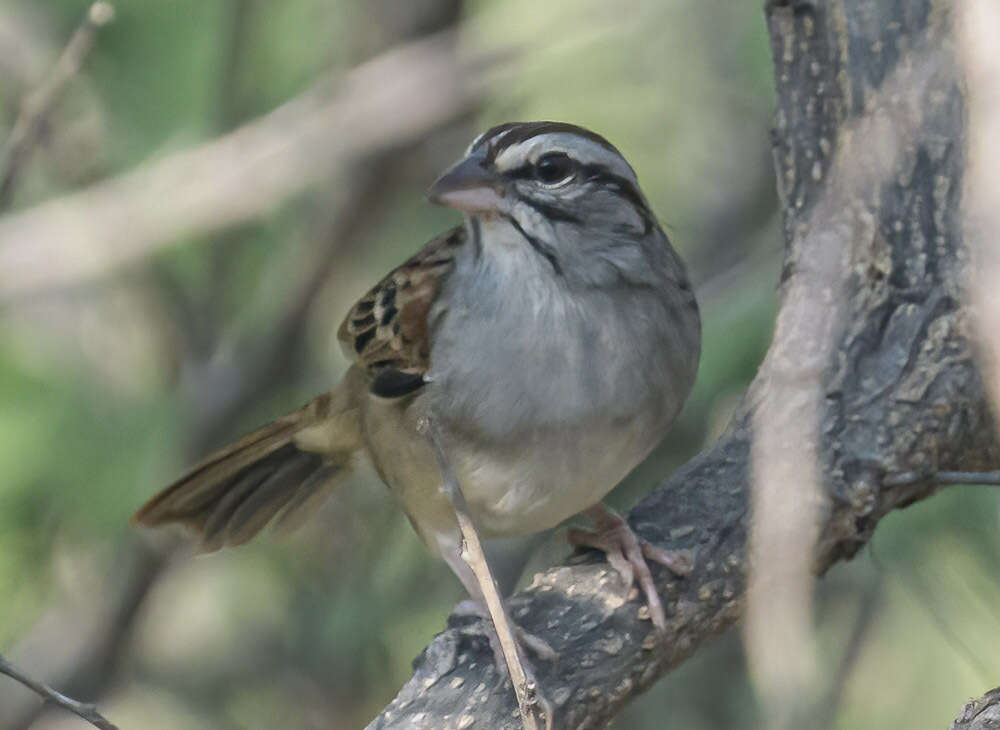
308,497
280,468
270,496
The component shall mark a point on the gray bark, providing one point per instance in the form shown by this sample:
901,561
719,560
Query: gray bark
870,184
980,714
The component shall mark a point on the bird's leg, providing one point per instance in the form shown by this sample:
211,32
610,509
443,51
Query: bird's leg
627,553
535,698
476,607
530,700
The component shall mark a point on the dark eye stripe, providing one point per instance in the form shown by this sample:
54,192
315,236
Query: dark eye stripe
501,137
593,174
624,187
552,212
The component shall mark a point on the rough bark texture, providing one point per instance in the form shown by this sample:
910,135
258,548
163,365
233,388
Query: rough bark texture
980,714
868,144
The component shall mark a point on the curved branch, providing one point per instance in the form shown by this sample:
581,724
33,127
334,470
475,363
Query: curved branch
869,157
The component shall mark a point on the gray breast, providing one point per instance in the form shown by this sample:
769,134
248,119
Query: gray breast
516,352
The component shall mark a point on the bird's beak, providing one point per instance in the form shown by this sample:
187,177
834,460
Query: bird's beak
468,186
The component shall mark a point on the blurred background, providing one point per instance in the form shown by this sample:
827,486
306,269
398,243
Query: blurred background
114,380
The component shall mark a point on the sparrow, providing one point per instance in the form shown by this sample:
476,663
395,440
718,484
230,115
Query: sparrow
553,334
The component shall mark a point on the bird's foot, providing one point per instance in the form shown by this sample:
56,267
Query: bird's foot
627,553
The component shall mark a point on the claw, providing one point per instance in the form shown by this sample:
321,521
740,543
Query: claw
627,554
678,562
539,703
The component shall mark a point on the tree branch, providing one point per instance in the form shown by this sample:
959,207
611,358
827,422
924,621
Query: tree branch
980,714
37,105
943,478
87,711
869,157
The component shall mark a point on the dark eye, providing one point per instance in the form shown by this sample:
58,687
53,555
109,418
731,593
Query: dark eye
554,167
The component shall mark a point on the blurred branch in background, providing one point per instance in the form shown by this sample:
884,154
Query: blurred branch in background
359,125
36,106
28,129
87,712
787,499
267,362
396,98
978,27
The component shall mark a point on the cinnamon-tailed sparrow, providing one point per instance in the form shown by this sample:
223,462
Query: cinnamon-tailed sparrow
553,335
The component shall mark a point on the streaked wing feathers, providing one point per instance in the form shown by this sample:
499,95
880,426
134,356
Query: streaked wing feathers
386,332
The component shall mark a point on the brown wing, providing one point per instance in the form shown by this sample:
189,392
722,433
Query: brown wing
386,332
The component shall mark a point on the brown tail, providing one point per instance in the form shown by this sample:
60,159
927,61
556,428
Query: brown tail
287,466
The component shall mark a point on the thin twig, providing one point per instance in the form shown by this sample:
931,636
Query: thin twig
87,648
37,105
473,555
968,477
943,478
82,709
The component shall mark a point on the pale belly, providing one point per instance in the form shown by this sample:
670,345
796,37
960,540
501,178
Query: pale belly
539,484
516,490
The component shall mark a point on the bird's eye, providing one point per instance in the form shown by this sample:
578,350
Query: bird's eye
553,168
